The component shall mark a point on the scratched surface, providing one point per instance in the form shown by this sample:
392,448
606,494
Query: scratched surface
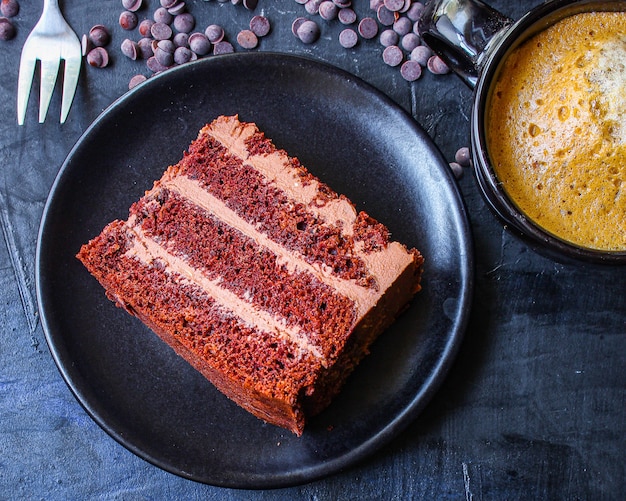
534,407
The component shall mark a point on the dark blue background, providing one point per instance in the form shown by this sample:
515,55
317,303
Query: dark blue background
533,408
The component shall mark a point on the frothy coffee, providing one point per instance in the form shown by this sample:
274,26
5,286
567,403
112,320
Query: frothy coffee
556,129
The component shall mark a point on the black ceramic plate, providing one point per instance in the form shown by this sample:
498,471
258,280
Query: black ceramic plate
349,135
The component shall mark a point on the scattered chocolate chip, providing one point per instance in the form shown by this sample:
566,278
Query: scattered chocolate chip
161,15
9,8
99,35
214,33
457,170
348,38
132,5
394,5
463,156
128,20
181,40
7,29
437,66
421,54
154,65
393,55
183,55
313,6
385,16
368,27
85,45
402,26
328,10
145,48
410,41
389,37
250,4
410,70
130,49
161,31
98,57
346,16
178,9
296,24
223,47
260,26
247,39
199,43
184,22
308,32
136,80
145,26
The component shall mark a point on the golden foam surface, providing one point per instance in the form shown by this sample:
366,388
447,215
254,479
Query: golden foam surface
556,129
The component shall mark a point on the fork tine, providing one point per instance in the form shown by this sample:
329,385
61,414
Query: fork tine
25,80
49,72
70,82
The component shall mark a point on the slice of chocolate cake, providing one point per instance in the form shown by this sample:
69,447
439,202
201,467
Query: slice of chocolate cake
258,274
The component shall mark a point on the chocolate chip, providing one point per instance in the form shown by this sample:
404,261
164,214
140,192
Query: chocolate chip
132,5
457,170
145,48
99,35
177,9
144,27
410,70
385,16
260,26
394,5
136,80
348,38
223,47
389,37
181,40
161,31
296,24
328,10
402,26
437,66
421,54
393,55
128,20
130,49
98,57
161,15
183,55
308,32
214,33
7,29
368,27
346,16
410,41
199,43
184,23
9,8
247,39
463,156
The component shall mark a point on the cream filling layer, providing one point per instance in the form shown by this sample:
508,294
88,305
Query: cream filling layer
233,135
385,266
147,251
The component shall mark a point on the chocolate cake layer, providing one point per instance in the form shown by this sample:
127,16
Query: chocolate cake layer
263,278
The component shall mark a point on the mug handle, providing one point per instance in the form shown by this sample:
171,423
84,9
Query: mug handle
460,32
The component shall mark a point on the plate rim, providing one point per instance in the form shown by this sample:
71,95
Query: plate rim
418,401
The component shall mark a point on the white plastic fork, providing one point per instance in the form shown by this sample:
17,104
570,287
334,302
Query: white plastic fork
51,40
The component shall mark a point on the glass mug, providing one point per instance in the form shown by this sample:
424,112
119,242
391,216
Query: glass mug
474,40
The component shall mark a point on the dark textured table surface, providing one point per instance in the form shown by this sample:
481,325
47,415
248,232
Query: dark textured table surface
534,406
